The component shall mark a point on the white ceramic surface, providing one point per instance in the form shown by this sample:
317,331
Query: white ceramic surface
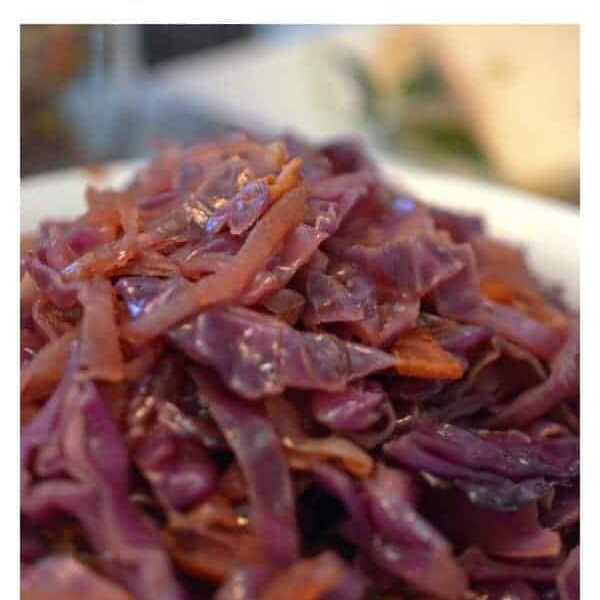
277,82
548,229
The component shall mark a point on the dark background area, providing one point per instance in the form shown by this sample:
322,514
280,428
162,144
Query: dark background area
164,42
88,93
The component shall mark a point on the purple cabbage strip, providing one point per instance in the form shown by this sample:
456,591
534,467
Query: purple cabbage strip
258,451
242,211
386,317
178,468
53,249
514,535
286,304
480,567
142,294
247,206
414,266
326,215
259,355
461,226
562,384
355,409
457,338
377,315
50,281
502,471
429,563
541,339
330,300
384,523
460,298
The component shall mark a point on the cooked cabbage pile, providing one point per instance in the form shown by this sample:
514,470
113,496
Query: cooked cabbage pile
260,371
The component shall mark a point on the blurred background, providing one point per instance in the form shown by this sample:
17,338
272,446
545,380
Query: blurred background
499,102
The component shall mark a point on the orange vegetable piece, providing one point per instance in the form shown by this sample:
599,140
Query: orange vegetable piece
419,354
307,579
525,299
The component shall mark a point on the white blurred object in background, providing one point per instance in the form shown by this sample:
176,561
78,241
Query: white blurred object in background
117,109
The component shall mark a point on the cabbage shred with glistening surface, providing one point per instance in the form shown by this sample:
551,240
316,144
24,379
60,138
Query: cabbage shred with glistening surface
260,371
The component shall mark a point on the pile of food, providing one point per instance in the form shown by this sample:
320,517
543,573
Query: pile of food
259,371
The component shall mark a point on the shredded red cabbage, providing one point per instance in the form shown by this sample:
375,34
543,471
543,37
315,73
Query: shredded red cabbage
261,372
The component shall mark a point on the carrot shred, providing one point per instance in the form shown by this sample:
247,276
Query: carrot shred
100,352
206,541
307,579
304,451
45,370
497,290
419,354
288,178
200,556
525,299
